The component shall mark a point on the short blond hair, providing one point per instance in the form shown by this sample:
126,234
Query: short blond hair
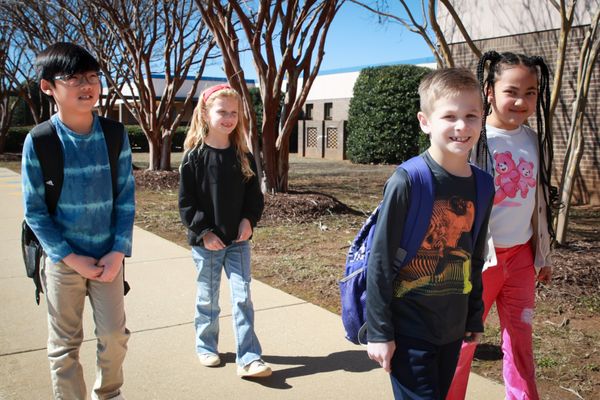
445,83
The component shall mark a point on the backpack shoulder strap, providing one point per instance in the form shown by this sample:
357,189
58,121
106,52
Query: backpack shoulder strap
420,206
113,135
484,190
48,149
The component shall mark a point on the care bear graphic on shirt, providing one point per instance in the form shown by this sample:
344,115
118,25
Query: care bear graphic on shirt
526,179
507,178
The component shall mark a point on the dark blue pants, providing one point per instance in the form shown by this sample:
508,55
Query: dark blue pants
422,370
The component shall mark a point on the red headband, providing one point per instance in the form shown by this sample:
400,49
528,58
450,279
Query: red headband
210,91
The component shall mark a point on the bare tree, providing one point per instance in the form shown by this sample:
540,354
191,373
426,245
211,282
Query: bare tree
286,40
567,12
45,23
132,40
29,37
588,57
9,86
147,37
428,29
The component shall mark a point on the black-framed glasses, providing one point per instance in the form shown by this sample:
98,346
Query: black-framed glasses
74,80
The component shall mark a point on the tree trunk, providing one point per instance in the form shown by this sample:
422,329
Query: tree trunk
283,167
165,159
154,155
587,61
3,134
566,16
269,152
442,43
6,112
570,171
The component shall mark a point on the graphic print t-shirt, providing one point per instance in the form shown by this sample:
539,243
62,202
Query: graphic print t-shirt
431,299
515,159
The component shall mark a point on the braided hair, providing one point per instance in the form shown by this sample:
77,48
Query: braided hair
493,63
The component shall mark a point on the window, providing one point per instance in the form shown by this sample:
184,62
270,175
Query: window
328,109
309,112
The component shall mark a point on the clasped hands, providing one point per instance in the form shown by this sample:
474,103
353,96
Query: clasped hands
105,269
213,242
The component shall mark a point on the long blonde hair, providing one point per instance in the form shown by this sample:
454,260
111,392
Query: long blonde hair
198,131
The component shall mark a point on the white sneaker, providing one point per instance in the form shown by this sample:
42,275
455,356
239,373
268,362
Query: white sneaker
117,397
256,369
209,359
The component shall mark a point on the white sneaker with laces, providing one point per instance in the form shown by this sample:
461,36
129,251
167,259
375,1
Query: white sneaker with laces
256,369
209,359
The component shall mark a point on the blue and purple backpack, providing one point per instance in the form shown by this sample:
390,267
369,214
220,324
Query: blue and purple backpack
353,287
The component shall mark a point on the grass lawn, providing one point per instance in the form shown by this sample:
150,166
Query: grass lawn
307,259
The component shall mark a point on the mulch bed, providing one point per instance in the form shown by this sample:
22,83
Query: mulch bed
156,180
300,207
293,207
575,274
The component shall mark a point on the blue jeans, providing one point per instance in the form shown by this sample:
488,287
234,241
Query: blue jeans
236,260
422,370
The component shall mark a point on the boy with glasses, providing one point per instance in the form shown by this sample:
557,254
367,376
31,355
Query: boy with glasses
86,238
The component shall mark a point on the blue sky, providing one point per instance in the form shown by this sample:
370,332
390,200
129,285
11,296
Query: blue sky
356,39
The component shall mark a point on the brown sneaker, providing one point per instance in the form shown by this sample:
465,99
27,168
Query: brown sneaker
256,369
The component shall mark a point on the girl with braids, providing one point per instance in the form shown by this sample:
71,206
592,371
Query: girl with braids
220,202
514,88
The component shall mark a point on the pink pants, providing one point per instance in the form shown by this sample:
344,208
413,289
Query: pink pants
511,284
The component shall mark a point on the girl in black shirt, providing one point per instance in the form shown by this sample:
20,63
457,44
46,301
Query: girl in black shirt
220,202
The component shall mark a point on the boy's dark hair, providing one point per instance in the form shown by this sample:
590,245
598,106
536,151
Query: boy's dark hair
64,58
494,63
444,83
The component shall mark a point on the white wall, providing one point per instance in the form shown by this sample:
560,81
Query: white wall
205,82
340,85
484,19
159,85
333,86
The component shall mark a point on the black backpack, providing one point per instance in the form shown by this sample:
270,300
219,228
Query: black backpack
49,152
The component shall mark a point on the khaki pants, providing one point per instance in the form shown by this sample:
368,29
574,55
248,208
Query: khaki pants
65,295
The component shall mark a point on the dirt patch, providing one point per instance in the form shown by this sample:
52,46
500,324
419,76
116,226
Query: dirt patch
292,207
10,157
301,207
156,180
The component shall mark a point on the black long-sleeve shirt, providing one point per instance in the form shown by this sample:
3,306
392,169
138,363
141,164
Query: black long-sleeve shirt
437,295
214,195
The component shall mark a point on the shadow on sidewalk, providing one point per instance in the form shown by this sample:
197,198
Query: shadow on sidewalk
349,360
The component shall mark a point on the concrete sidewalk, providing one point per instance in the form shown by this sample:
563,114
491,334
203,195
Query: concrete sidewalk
303,343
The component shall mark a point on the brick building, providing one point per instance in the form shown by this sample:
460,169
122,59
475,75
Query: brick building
322,128
533,28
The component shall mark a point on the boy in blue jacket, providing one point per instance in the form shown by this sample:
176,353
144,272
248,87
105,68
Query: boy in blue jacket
89,234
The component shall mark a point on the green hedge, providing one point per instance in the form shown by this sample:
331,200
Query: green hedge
382,119
137,139
15,137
